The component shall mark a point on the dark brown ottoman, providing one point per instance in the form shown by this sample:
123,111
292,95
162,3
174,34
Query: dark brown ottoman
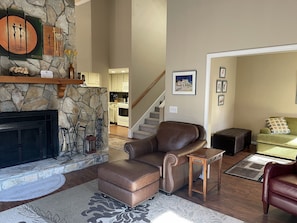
128,181
232,140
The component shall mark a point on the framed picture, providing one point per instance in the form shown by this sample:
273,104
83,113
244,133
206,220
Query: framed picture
224,86
221,99
219,86
222,73
184,82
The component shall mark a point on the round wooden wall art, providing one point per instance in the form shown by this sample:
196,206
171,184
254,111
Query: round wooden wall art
20,36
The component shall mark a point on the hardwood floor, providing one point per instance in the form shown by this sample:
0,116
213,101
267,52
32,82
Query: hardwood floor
238,197
117,130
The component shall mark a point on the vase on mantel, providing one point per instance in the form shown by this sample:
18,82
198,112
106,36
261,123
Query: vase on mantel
71,71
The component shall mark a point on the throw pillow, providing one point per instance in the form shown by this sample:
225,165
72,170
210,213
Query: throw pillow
278,125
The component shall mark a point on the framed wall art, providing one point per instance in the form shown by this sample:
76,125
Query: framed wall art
221,99
219,86
222,73
52,41
224,86
184,82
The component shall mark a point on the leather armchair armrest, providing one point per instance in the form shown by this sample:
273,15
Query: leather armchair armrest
140,147
276,169
265,131
272,170
179,157
173,160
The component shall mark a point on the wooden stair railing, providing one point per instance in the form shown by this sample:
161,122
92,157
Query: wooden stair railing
148,89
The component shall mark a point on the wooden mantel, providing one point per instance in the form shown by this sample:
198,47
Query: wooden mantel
38,80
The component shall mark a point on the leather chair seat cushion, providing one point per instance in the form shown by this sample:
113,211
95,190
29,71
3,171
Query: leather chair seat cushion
155,159
128,174
173,136
285,185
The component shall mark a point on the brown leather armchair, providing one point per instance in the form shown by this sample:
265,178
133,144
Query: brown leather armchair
280,187
167,150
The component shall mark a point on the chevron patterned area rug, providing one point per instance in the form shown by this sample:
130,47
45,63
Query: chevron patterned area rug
84,203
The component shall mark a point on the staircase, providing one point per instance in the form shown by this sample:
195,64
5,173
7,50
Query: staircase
150,125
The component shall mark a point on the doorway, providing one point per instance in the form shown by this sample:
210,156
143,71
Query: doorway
250,52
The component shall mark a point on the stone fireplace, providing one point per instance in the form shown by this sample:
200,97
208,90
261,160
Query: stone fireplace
80,106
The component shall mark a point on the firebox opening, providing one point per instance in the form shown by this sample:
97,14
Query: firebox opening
28,136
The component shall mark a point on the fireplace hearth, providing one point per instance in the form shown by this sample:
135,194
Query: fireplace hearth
28,136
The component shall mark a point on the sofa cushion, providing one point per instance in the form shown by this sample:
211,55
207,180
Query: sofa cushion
278,139
174,136
278,125
292,124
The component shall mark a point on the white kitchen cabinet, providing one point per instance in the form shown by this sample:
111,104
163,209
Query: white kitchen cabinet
113,112
125,83
115,83
92,79
119,82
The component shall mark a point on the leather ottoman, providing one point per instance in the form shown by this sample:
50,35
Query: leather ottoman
232,140
128,181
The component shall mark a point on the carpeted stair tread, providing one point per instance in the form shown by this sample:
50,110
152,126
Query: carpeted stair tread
141,134
148,128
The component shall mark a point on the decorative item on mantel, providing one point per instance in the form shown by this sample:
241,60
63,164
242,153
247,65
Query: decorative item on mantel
70,54
18,71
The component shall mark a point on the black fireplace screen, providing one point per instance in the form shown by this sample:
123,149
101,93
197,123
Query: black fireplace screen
28,136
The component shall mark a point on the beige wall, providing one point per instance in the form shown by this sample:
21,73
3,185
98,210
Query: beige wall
196,28
92,38
120,34
100,39
222,117
148,52
83,37
128,34
266,86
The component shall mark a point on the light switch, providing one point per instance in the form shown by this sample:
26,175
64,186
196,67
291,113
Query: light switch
173,109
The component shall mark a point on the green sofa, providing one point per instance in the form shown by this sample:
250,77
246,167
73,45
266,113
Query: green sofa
279,145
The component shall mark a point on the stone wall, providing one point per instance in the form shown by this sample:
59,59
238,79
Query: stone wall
80,106
58,13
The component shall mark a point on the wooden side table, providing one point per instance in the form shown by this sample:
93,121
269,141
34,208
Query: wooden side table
204,157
